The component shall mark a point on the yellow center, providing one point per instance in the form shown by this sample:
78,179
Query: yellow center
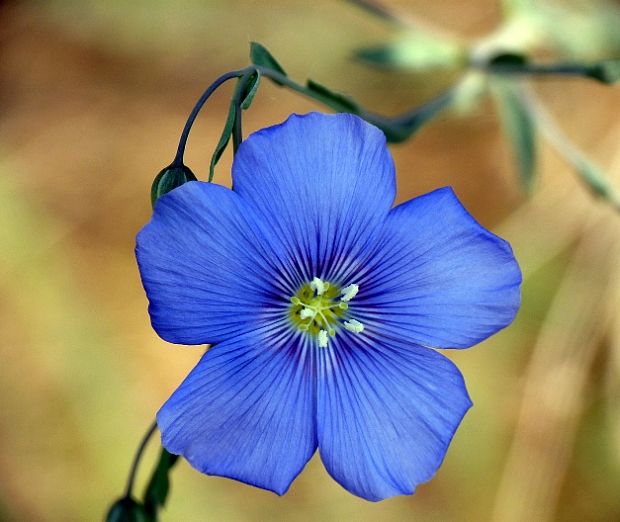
319,308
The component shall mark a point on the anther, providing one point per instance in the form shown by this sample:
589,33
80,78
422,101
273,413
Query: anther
353,326
318,286
349,292
306,313
322,339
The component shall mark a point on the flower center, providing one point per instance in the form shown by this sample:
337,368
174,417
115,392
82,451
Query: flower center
321,308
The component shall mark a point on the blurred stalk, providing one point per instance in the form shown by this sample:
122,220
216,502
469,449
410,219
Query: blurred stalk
557,374
612,378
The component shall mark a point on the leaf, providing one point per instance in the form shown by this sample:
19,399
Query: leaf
607,71
592,177
126,509
259,55
224,138
417,51
335,100
246,89
157,490
508,59
519,128
406,125
250,88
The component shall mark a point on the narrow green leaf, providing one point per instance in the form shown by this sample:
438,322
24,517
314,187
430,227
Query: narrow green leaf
519,128
158,487
335,100
259,55
250,88
224,138
126,509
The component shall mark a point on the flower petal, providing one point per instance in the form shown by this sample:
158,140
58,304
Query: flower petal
246,411
324,183
198,259
385,414
438,278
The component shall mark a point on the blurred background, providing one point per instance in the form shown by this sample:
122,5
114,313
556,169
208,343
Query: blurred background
93,96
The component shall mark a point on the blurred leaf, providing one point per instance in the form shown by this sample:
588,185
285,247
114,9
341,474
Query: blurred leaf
127,510
168,179
508,59
378,10
592,176
259,55
159,486
406,125
519,128
607,71
416,51
335,100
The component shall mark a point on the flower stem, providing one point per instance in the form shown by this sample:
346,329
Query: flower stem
137,457
178,159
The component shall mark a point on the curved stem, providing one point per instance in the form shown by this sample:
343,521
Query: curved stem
137,457
178,159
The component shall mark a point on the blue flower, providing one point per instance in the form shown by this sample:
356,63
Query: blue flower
322,304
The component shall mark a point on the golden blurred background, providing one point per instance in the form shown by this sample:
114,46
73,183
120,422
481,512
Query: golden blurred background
93,96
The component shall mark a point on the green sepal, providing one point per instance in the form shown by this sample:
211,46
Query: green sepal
127,509
519,128
168,179
259,55
335,100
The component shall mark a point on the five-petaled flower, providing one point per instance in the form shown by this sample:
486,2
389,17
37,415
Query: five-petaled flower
322,304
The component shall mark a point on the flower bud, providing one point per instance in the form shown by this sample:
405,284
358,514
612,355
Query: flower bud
126,510
168,179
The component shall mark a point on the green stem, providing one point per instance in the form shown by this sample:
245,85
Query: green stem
178,159
137,457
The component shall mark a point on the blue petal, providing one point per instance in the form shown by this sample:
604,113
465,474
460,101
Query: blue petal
386,414
325,183
246,411
198,259
438,278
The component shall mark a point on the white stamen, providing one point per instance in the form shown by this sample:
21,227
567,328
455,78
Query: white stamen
322,339
354,326
307,313
318,286
349,292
